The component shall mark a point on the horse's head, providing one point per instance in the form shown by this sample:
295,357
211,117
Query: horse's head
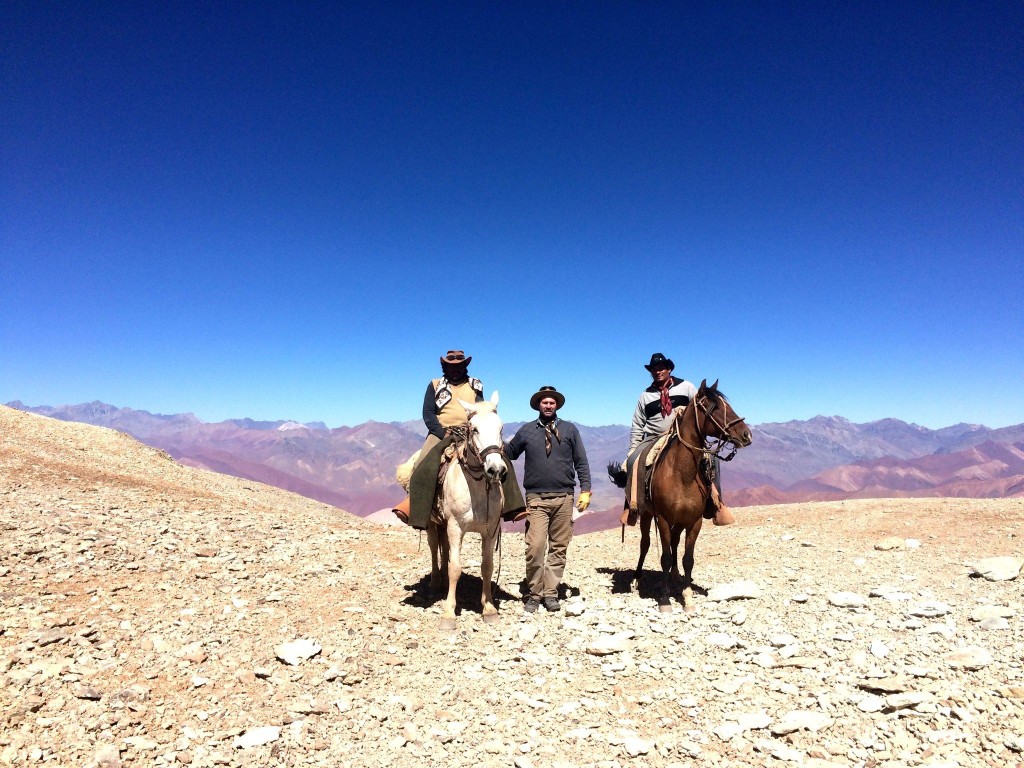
720,420
485,434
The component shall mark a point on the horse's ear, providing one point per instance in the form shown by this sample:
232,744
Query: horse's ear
715,385
470,407
703,385
494,398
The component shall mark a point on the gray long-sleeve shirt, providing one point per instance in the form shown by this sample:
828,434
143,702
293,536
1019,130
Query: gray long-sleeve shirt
647,418
558,472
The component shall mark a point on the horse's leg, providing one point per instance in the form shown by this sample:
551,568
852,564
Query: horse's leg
645,544
667,558
437,556
691,541
454,536
677,532
490,613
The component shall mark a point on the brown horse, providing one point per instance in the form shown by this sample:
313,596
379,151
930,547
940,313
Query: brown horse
680,490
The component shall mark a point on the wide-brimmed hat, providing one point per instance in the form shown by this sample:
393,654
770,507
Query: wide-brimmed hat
658,360
547,392
456,357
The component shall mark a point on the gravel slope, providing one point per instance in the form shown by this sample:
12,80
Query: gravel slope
145,608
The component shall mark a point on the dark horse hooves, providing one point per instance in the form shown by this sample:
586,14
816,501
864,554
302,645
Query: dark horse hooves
664,605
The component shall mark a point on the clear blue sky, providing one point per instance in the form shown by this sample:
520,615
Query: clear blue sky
292,210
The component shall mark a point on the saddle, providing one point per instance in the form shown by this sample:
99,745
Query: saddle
638,484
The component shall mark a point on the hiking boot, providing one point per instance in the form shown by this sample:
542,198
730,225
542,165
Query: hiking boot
551,605
532,604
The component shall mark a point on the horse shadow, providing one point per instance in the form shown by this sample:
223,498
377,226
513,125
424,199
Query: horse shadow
650,583
467,594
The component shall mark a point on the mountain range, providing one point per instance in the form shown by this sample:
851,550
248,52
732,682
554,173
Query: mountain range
824,458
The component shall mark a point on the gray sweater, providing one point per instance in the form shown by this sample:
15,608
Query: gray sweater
647,418
556,473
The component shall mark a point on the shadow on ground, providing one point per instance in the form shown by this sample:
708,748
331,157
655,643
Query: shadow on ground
650,584
467,594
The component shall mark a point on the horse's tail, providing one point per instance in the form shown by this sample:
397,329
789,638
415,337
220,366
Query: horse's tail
617,474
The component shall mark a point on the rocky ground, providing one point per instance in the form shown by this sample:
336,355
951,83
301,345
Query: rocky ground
154,614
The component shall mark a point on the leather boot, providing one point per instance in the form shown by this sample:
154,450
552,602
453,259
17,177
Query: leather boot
723,515
628,517
401,510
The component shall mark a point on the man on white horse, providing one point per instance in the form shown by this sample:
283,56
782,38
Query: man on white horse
555,459
445,417
652,417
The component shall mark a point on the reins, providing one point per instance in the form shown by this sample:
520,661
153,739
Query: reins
704,450
721,443
465,449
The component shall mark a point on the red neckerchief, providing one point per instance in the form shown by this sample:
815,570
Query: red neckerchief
666,401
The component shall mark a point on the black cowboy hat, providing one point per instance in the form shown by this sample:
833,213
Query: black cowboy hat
658,360
456,357
547,391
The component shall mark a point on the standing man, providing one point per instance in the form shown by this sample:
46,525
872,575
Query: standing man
555,459
653,417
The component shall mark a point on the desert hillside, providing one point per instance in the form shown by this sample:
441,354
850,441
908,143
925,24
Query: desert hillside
150,613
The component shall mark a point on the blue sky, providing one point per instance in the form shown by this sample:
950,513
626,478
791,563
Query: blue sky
292,212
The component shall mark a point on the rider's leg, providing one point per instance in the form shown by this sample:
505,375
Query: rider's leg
723,515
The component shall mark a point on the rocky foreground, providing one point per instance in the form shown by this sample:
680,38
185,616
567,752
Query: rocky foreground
154,614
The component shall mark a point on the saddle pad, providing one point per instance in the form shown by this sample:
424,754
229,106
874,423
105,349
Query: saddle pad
656,449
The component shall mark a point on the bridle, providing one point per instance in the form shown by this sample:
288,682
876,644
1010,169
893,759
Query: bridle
486,450
464,436
707,406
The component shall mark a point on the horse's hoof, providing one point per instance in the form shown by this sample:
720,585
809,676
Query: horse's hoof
490,618
665,607
446,623
690,609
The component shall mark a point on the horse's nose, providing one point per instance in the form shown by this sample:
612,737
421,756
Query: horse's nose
748,438
496,471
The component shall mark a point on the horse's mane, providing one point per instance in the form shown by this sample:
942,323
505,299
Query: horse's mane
717,395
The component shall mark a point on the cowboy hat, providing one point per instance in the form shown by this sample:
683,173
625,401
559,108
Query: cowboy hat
658,360
456,357
547,391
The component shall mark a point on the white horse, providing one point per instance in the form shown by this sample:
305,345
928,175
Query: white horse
458,515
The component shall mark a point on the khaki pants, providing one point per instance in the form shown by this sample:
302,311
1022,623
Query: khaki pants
548,533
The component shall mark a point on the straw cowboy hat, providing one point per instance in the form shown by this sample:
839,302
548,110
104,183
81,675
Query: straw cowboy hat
658,360
543,392
456,357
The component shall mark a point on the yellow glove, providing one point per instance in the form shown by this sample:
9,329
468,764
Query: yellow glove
584,501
